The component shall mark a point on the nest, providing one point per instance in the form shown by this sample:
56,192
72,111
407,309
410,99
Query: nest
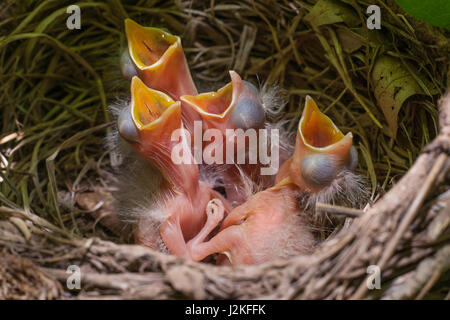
56,85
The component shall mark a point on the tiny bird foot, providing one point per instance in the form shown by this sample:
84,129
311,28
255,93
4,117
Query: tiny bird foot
215,213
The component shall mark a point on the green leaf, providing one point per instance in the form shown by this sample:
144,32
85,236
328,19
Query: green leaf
435,12
394,82
331,11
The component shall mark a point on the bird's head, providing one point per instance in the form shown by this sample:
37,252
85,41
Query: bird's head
321,152
148,123
158,59
237,105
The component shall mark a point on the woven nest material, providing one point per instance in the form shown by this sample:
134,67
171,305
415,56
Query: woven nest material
53,130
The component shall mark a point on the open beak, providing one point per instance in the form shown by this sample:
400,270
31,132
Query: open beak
321,151
155,116
159,60
149,124
236,105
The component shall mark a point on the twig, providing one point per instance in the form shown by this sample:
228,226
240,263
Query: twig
409,216
338,210
429,284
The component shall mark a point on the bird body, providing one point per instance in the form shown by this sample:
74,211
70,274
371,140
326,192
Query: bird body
238,106
184,220
148,125
269,225
189,217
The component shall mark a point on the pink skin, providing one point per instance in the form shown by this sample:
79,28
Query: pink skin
185,220
268,226
181,226
253,232
186,204
215,109
156,117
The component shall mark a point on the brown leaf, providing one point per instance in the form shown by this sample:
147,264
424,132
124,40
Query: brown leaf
101,205
393,84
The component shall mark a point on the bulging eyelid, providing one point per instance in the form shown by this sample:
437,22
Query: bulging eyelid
353,159
126,126
319,170
251,87
127,66
247,113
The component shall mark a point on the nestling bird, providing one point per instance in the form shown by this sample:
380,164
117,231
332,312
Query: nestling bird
187,216
174,211
148,125
238,105
271,224
157,58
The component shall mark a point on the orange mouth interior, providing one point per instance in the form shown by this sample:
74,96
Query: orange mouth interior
317,130
147,45
148,105
213,102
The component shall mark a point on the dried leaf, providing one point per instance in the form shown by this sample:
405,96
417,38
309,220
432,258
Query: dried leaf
100,204
350,42
331,11
393,83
